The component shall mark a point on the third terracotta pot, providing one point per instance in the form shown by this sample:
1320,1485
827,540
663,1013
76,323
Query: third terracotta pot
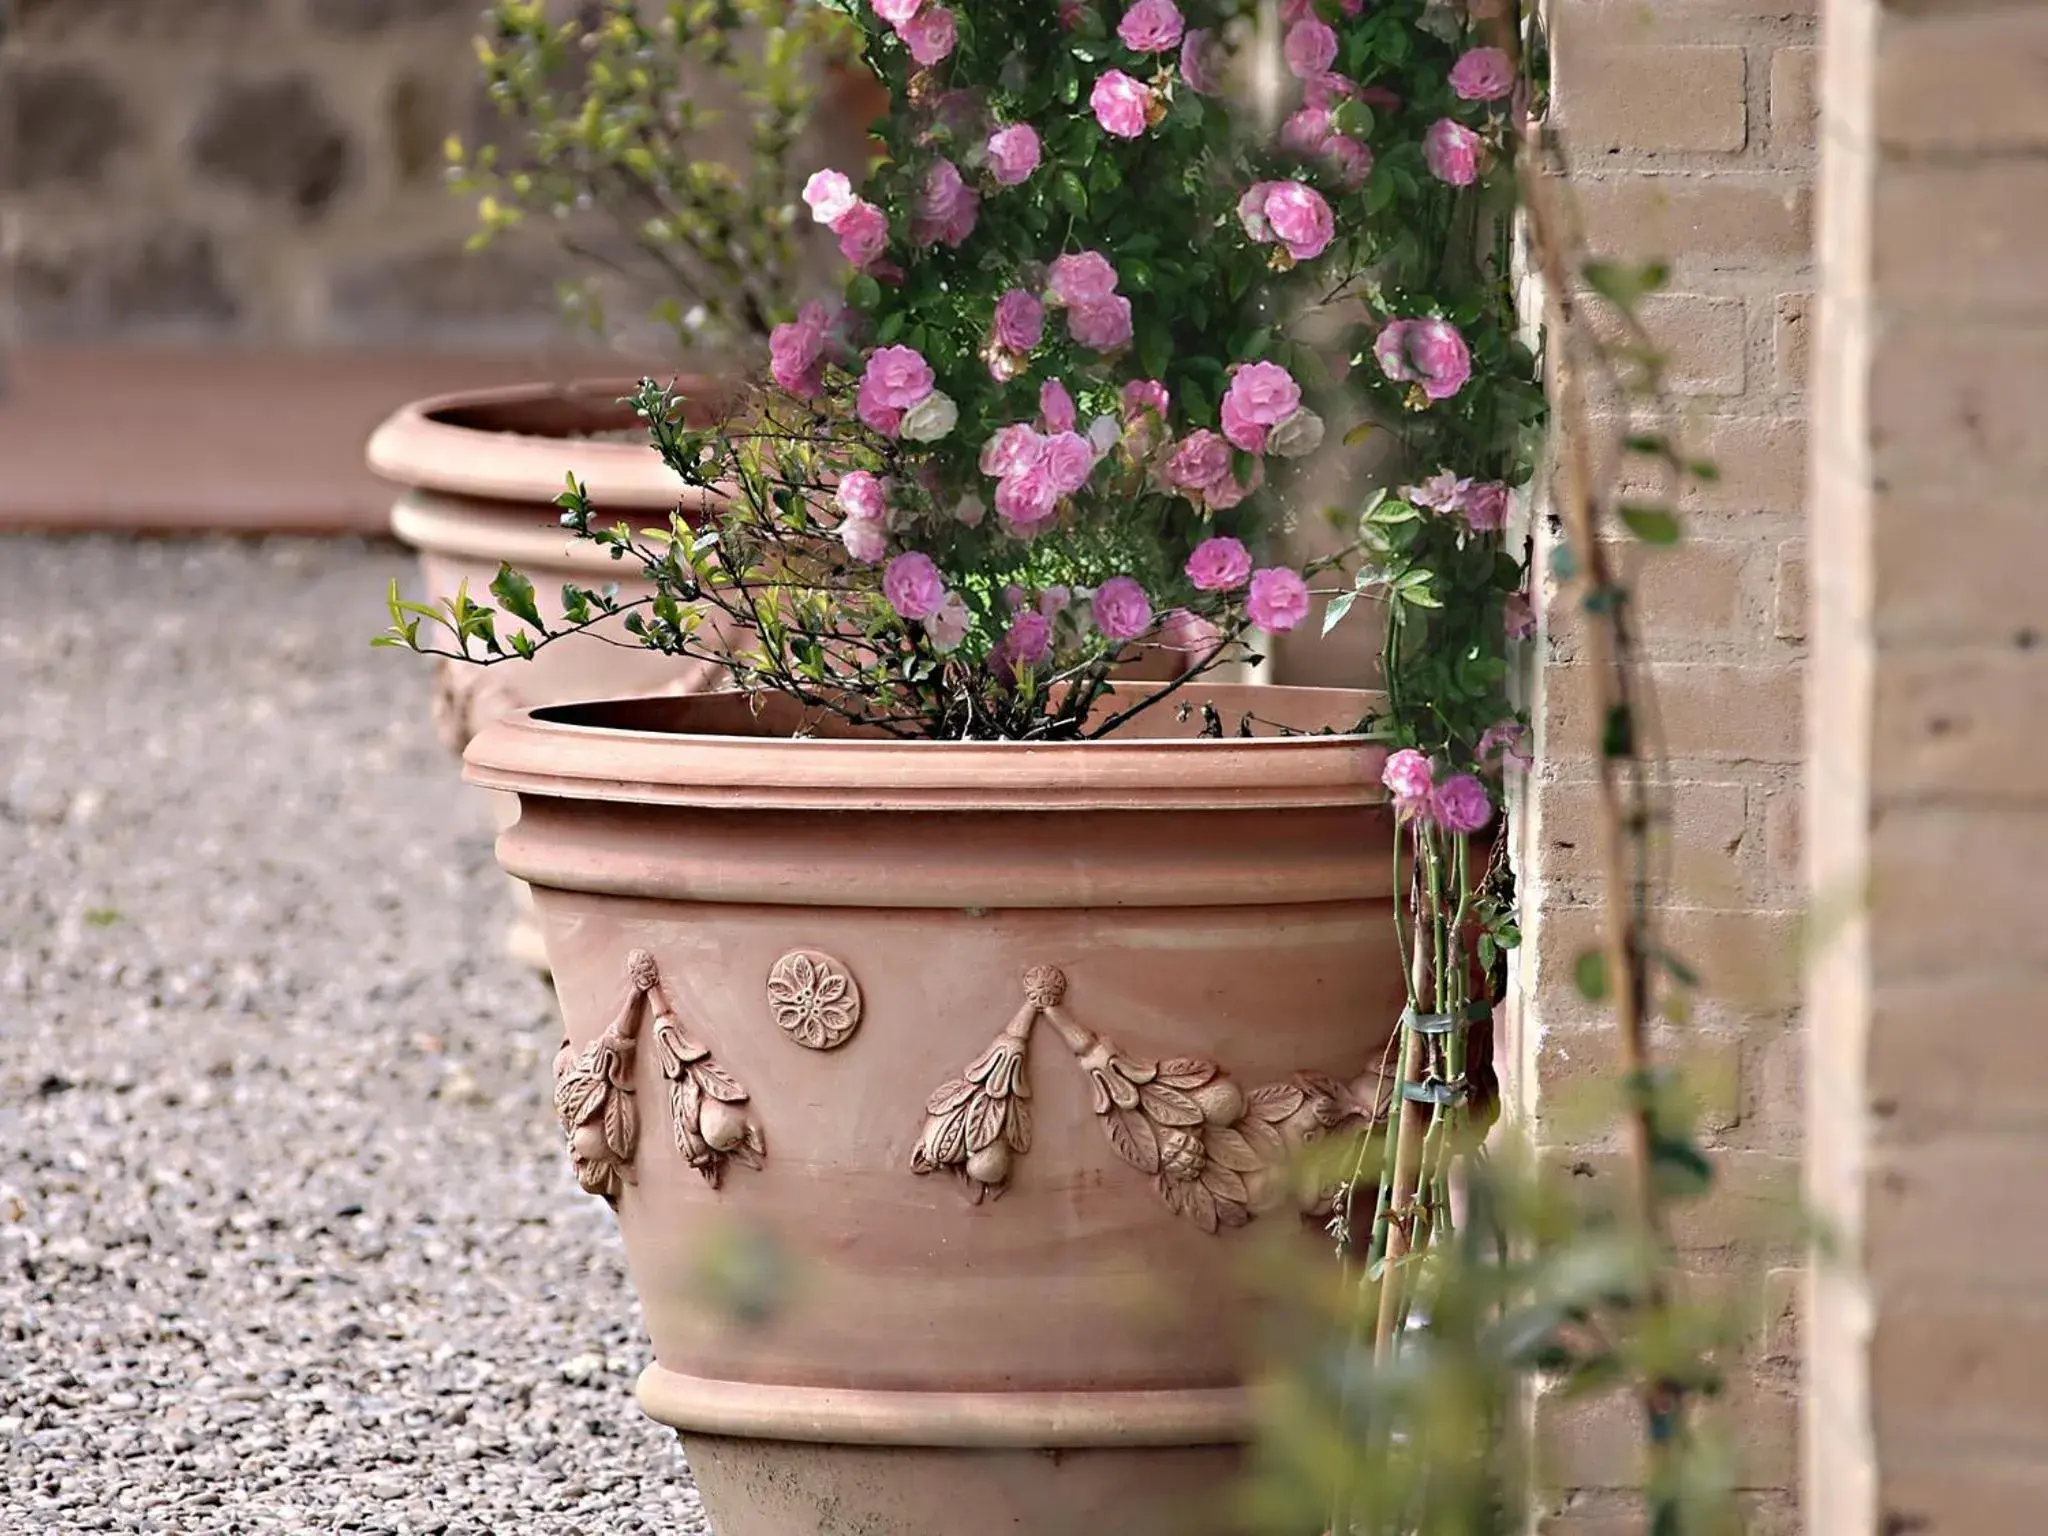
940,1088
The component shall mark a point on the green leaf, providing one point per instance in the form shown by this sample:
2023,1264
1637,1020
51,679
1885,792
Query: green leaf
1155,349
1340,605
890,328
1589,975
1618,733
515,595
1072,195
1653,525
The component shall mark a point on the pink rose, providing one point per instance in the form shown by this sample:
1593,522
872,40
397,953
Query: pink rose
930,35
1142,395
1104,325
1304,132
1260,395
1300,218
1013,449
1451,151
946,207
1518,616
1122,105
1441,492
896,12
1409,776
1013,154
1056,406
1028,643
1311,48
913,586
1427,352
1020,321
796,352
1251,210
862,494
1122,610
1219,565
1069,460
947,625
1198,63
830,196
899,376
1104,433
865,538
1188,635
1349,160
1082,278
1460,804
863,232
1278,599
1485,506
1483,74
1326,91
896,378
1229,491
1151,26
1199,461
1502,747
1027,499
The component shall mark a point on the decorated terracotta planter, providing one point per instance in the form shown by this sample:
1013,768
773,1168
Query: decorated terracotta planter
477,475
978,1065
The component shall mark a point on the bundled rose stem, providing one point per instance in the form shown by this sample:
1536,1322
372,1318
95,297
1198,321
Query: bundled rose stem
1409,1128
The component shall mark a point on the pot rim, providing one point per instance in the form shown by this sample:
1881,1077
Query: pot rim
558,752
419,446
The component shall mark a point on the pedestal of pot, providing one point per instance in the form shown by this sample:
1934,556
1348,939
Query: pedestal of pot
941,1088
778,1461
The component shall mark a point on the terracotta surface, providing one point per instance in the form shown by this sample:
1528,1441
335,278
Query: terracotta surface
478,473
796,972
212,439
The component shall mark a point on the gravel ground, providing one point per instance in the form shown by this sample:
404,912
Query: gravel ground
286,1239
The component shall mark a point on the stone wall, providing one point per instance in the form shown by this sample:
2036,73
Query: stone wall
1691,129
1927,1411
262,171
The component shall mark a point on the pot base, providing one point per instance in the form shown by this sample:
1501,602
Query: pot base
790,1488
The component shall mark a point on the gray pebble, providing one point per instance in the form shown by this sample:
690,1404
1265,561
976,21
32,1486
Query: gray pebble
274,1256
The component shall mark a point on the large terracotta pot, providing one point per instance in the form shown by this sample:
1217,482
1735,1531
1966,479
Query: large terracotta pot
826,999
477,475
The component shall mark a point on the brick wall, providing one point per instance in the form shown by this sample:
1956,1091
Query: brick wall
267,171
1691,126
1927,1411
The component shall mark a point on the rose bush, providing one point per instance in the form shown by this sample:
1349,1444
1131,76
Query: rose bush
1081,294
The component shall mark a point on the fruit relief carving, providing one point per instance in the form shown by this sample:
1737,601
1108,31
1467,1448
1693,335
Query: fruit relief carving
597,1103
815,999
977,1123
1218,1155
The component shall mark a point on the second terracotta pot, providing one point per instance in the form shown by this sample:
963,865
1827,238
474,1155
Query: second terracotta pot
477,475
941,1087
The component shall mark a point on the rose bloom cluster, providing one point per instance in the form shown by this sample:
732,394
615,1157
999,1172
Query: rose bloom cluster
1037,473
1458,803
